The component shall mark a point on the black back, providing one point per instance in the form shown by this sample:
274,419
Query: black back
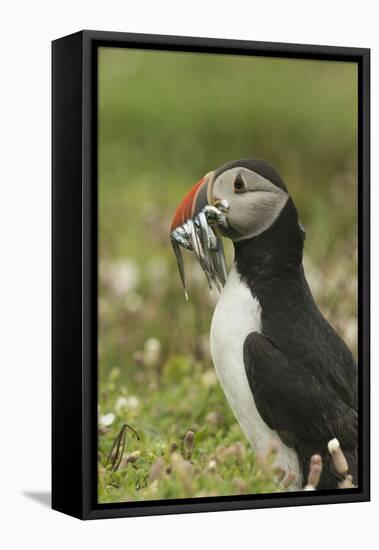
271,265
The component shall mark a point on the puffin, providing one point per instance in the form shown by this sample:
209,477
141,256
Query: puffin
288,376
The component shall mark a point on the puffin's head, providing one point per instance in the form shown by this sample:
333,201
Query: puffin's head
251,191
239,200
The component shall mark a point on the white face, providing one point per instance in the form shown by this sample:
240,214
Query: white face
254,202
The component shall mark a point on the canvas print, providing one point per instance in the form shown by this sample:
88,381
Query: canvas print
227,304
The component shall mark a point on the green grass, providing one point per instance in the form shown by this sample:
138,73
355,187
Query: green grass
164,120
163,464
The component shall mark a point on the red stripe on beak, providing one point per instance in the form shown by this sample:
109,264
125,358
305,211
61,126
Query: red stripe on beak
185,209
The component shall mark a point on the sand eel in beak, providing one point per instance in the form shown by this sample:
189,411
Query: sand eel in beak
287,375
195,227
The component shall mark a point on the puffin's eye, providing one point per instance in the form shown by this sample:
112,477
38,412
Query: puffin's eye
239,185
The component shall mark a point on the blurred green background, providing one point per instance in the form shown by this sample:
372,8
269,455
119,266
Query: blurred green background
166,119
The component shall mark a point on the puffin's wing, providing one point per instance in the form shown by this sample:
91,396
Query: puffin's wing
294,402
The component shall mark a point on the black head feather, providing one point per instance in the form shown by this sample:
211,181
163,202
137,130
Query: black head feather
258,166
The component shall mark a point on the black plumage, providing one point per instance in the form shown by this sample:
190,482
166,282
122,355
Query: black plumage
301,373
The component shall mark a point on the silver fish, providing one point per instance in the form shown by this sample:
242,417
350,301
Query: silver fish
202,236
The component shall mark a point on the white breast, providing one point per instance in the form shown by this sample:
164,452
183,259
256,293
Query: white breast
236,315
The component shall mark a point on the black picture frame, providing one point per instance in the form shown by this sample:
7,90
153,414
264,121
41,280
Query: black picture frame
74,272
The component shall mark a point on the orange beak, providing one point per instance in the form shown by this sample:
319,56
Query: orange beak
196,235
193,202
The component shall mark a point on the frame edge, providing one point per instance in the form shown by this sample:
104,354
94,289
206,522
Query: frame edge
67,66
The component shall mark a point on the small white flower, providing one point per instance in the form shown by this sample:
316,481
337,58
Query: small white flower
209,378
151,352
122,276
333,445
339,459
107,419
121,403
132,402
212,466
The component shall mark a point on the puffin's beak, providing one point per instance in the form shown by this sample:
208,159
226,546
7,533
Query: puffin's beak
191,228
194,202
